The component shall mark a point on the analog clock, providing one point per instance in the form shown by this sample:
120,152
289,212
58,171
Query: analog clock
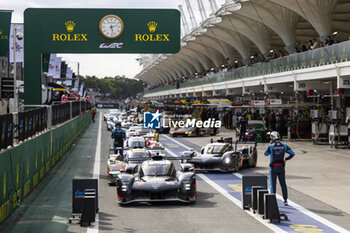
111,27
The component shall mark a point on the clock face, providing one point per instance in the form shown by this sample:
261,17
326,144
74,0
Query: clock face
111,27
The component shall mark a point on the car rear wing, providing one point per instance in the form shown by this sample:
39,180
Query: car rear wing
164,157
159,157
222,140
137,159
237,142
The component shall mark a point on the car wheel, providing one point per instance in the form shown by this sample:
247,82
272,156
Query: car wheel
237,165
253,160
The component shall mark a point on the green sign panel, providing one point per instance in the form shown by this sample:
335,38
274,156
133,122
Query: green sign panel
5,23
94,31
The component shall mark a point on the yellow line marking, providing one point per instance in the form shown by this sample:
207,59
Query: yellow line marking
236,187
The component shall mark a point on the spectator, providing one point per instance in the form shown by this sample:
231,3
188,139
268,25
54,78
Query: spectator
296,49
310,44
314,44
303,48
262,58
330,40
281,53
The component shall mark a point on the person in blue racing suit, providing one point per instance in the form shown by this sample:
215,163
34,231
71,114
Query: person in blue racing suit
276,150
118,134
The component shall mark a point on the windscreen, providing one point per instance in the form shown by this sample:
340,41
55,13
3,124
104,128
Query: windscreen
156,170
138,155
215,149
136,143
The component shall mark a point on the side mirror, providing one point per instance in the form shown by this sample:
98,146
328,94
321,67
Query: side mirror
191,169
122,170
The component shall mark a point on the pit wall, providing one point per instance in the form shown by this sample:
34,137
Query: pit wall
24,166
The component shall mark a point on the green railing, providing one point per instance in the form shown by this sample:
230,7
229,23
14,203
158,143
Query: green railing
313,58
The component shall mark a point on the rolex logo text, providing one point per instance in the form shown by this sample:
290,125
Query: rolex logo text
69,36
152,26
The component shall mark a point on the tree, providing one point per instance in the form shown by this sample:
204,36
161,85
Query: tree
118,86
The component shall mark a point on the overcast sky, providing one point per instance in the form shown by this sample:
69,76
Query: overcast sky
100,65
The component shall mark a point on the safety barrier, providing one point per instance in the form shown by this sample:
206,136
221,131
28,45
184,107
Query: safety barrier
313,58
24,166
17,127
31,122
6,129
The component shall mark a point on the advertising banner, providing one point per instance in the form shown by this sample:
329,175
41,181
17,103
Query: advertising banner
5,24
52,65
57,72
19,43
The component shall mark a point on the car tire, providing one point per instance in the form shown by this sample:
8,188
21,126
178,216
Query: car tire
237,165
253,160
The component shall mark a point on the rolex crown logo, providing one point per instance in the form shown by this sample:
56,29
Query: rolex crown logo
70,26
152,26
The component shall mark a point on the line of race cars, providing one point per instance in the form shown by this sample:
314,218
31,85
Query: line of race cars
145,174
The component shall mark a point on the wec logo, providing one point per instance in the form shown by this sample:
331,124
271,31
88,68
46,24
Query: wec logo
111,45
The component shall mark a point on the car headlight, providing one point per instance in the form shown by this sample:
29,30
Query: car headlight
227,160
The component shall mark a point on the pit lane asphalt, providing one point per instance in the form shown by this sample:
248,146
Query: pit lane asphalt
309,169
48,208
212,213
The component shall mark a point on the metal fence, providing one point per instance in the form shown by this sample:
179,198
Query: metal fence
313,58
17,127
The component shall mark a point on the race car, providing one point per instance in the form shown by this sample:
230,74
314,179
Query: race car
114,164
136,156
192,131
221,156
126,125
111,115
156,180
155,147
110,124
135,142
255,127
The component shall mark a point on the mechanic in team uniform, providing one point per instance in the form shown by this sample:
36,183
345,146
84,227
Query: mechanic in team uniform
243,124
118,134
276,150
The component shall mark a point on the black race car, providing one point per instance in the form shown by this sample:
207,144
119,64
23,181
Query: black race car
156,180
221,156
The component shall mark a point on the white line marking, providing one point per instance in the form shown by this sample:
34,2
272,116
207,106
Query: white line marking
177,142
291,203
314,216
231,198
308,212
94,226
